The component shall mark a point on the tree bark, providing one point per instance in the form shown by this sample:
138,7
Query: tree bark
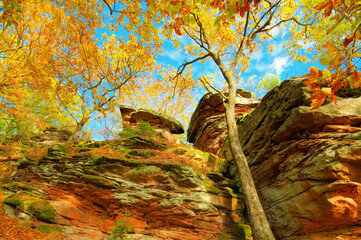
74,138
261,229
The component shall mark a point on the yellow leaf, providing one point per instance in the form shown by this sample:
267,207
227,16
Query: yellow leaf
326,74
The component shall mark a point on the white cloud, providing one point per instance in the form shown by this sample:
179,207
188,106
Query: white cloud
277,48
257,56
277,67
175,55
279,64
275,31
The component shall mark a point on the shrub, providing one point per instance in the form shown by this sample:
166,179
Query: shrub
144,129
119,230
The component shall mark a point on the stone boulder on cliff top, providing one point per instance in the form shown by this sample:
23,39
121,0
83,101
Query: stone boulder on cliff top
162,121
207,128
305,163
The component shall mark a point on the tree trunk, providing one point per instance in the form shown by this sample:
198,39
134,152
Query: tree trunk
74,138
257,217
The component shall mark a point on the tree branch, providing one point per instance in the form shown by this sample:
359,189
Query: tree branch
205,83
110,8
240,49
182,67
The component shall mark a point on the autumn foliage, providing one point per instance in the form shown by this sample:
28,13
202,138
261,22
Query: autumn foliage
341,57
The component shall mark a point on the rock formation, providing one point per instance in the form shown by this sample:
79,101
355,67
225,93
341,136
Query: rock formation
305,163
131,116
207,128
163,191
52,135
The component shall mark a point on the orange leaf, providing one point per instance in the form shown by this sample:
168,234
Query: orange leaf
334,98
318,97
315,73
332,49
321,5
356,80
347,41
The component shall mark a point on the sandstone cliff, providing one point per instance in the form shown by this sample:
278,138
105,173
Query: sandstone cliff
305,163
161,189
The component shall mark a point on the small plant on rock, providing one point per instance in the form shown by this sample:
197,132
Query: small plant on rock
119,230
143,129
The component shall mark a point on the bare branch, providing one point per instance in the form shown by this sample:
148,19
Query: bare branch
110,8
205,83
241,46
286,20
254,31
182,67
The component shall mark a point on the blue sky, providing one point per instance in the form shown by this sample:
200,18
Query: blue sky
277,63
262,63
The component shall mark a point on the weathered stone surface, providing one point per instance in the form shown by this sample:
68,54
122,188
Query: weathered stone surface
140,142
305,163
52,135
158,194
207,128
159,120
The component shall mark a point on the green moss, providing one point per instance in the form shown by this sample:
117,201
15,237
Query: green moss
224,192
91,171
224,236
98,181
140,153
85,149
140,142
103,160
237,232
15,186
49,229
59,148
241,231
15,200
33,204
42,210
170,167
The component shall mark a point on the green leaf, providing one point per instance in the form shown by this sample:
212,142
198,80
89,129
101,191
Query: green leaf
325,60
231,8
217,21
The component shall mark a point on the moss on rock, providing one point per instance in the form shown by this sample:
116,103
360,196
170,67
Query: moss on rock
44,228
42,210
140,153
33,204
15,186
98,181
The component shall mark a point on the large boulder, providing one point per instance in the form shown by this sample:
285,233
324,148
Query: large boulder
207,128
305,163
162,121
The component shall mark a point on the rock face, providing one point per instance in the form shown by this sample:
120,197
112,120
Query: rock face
163,193
207,128
131,116
305,163
52,135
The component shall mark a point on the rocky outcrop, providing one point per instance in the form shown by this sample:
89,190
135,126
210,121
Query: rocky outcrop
207,128
162,193
52,135
131,116
305,163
